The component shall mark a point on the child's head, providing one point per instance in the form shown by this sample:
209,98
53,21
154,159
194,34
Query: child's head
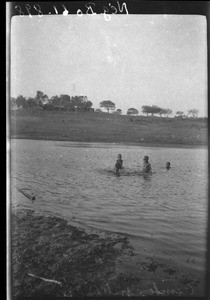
119,156
146,158
168,165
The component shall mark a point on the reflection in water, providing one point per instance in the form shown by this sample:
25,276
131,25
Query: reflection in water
126,172
165,210
147,177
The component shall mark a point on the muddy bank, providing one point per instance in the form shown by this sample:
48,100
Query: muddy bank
51,257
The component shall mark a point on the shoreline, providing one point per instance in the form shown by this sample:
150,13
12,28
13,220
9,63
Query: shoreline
157,145
52,256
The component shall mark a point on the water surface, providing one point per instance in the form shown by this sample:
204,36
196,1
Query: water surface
164,213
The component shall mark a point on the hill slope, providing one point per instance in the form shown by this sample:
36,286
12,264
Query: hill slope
103,127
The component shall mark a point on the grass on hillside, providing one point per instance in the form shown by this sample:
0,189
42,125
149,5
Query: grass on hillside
103,127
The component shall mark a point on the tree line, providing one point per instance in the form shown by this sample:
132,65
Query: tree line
62,102
81,103
148,110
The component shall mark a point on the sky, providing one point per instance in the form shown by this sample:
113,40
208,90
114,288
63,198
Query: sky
132,60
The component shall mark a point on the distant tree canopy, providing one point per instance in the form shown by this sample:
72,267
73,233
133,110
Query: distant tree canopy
179,113
30,102
55,101
119,111
12,102
168,112
108,105
80,103
194,112
165,112
98,110
132,111
147,110
39,95
88,104
63,101
21,101
40,98
153,110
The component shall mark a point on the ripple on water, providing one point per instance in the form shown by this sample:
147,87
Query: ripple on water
79,181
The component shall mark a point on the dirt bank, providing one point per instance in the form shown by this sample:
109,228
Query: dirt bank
51,257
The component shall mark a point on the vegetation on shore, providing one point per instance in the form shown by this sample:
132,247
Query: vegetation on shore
53,258
81,103
37,123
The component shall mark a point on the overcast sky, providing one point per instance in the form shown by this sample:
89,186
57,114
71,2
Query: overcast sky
132,60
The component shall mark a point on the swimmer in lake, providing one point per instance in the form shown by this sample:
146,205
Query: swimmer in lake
146,165
118,164
168,165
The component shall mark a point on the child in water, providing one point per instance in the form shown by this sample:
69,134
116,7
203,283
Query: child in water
168,165
118,164
146,165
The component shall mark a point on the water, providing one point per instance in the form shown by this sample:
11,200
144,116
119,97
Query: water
165,213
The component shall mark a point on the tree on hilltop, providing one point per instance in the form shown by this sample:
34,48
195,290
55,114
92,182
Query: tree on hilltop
145,109
98,110
40,98
79,102
132,111
88,105
21,101
166,112
30,102
161,111
108,105
12,102
119,111
39,95
56,101
65,100
151,110
194,112
179,113
156,110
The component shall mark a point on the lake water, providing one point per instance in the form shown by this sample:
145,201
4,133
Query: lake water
164,213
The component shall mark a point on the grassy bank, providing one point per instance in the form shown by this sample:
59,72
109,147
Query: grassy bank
41,124
50,257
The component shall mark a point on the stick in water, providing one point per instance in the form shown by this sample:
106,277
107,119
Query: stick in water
45,279
25,194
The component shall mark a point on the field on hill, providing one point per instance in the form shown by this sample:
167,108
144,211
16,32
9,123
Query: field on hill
33,123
